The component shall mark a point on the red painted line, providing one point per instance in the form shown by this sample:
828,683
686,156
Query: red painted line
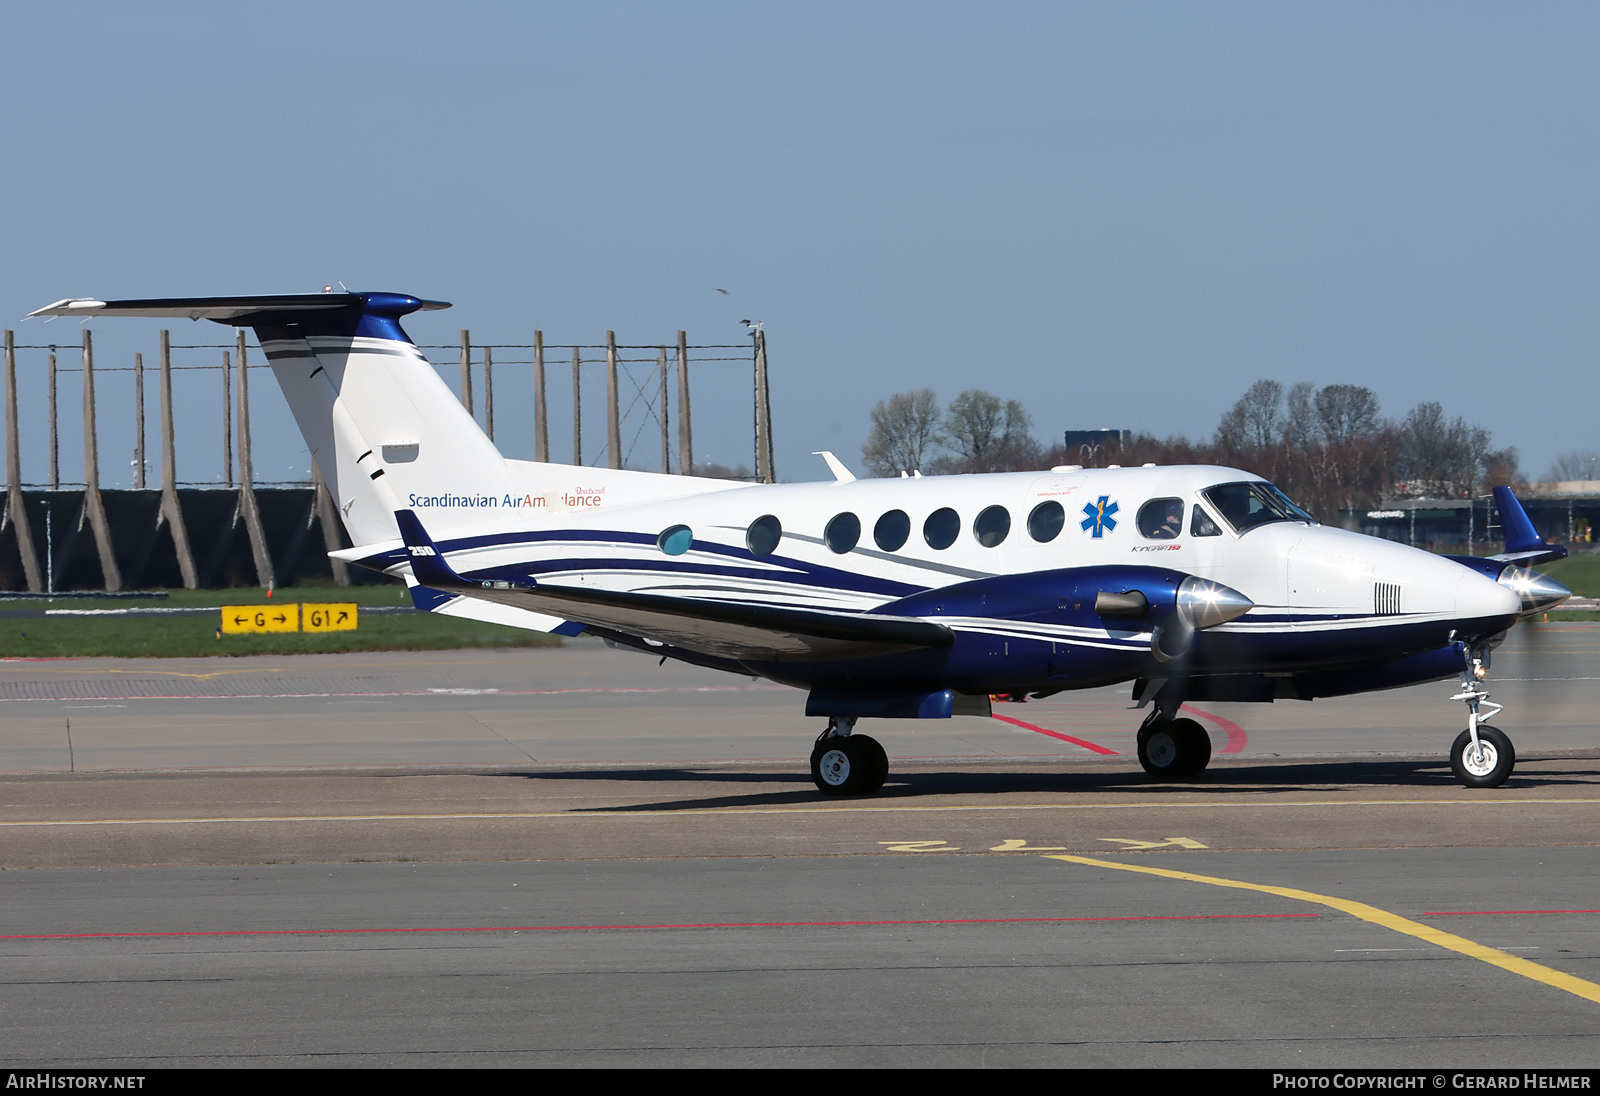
616,928
1236,735
1056,734
442,693
1494,913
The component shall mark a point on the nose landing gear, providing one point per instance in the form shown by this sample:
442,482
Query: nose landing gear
1482,756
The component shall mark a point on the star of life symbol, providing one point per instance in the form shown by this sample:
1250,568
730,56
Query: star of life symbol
1099,516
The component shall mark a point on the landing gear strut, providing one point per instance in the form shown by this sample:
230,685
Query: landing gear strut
847,764
1482,756
1173,749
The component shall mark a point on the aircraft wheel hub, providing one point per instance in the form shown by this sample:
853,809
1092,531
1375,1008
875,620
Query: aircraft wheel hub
834,767
1162,749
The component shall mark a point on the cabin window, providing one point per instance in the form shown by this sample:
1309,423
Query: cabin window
1161,519
892,530
1201,525
842,532
941,528
1046,521
675,541
992,526
763,535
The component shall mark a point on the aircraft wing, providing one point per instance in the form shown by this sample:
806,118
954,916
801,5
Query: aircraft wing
728,629
725,629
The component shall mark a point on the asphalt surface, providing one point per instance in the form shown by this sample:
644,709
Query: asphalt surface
577,857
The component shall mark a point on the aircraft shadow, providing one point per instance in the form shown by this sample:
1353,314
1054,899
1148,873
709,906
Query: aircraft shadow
1293,777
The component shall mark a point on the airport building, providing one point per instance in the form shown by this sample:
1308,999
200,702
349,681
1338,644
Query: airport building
1563,513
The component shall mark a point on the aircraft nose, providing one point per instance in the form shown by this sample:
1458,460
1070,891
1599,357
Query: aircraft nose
1535,591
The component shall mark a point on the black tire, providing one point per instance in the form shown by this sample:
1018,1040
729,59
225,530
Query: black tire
1492,768
848,765
874,760
1196,746
1174,749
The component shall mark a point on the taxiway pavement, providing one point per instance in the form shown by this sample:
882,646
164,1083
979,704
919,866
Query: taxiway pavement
577,857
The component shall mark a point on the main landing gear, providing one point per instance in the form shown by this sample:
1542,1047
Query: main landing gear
1482,756
1173,749
847,764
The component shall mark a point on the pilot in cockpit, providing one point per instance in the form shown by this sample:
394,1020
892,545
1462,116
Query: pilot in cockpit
1162,520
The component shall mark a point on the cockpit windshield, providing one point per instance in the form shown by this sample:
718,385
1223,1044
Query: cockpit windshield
1247,505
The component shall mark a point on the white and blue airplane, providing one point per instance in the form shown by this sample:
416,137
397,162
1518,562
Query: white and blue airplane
909,598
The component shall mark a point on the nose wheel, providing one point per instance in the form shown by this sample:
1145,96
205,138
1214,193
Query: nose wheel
1485,763
847,764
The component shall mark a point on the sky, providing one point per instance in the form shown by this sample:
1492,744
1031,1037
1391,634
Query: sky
1121,214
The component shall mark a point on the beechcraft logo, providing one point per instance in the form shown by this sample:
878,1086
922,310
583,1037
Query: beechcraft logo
1099,517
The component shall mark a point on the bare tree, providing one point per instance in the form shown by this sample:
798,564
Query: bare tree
1300,427
1351,450
1304,467
1346,412
1581,465
1440,456
1330,448
985,434
1424,438
905,428
1500,468
1251,431
1257,419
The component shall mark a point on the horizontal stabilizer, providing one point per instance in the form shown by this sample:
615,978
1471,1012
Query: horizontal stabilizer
220,309
362,554
466,608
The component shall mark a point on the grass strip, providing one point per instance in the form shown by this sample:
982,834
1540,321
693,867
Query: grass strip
26,632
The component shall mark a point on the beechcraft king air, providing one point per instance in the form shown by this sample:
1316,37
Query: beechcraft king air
909,598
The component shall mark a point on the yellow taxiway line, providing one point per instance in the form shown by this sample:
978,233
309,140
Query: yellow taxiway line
1578,987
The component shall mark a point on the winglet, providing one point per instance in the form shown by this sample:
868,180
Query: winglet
427,562
1522,540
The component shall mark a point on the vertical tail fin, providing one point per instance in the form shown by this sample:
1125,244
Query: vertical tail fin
386,432
1523,544
384,429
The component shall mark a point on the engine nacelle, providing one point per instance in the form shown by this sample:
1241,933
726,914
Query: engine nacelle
1118,601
